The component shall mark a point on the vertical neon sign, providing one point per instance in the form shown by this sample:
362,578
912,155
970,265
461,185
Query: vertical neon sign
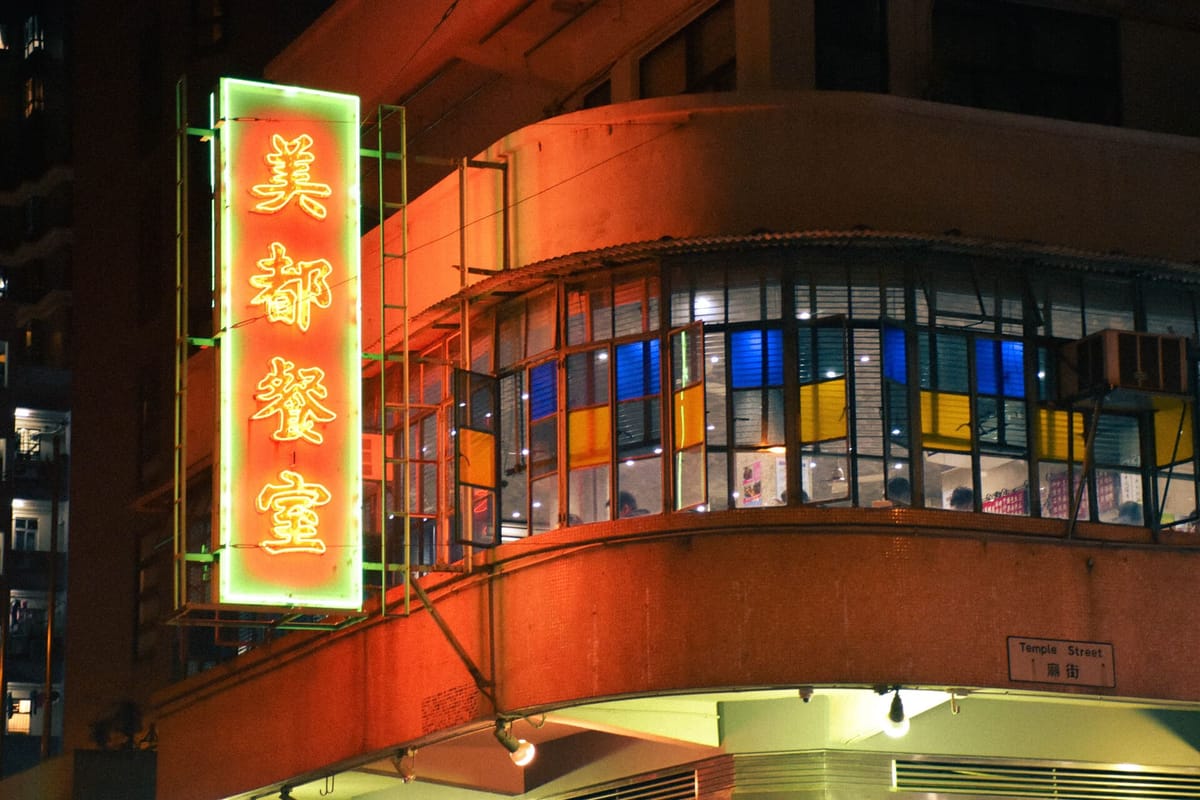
290,477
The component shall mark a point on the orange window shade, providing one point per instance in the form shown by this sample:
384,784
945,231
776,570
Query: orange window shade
823,411
477,458
946,421
589,440
1055,431
689,417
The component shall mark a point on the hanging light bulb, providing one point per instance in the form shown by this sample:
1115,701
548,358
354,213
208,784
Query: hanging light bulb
897,722
520,751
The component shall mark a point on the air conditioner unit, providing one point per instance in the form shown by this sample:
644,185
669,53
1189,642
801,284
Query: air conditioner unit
1123,360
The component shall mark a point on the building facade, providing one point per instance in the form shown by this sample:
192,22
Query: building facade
744,382
36,248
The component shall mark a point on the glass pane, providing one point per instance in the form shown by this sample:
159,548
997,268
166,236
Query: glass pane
868,393
1108,305
744,302
1005,483
1058,491
1063,299
718,481
833,299
761,479
714,389
629,307
690,486
512,336
945,472
587,378
898,488
1119,497
1177,496
638,428
637,370
871,474
544,504
514,454
951,367
1169,309
543,447
541,324
825,473
759,359
708,305
578,313
864,294
639,485
587,500
681,306
1117,442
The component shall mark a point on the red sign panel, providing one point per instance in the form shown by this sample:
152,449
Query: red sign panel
290,477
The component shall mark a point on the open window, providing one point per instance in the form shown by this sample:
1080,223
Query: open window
476,458
688,456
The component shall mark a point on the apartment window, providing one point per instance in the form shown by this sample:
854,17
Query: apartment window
851,42
25,534
29,442
700,58
20,714
35,96
35,38
208,19
1015,57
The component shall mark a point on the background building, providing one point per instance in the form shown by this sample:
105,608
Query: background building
36,252
749,262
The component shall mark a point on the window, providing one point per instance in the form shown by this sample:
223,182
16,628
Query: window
29,442
208,20
35,38
589,436
25,534
699,58
851,42
1019,57
35,96
20,714
4,40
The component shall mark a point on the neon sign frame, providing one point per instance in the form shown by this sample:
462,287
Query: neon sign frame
289,516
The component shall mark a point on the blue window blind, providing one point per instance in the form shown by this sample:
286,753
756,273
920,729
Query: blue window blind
637,370
756,358
895,363
543,394
999,367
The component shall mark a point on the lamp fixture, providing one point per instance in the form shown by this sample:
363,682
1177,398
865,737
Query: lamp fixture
520,751
897,722
405,763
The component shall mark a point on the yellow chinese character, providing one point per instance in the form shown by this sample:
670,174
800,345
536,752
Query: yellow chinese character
295,395
294,519
290,164
289,289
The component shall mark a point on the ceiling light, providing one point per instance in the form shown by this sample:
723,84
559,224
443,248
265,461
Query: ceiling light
897,722
520,751
406,764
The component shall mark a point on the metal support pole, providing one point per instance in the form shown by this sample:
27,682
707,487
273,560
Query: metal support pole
1086,467
51,604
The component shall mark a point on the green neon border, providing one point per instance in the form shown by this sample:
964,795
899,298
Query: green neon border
347,590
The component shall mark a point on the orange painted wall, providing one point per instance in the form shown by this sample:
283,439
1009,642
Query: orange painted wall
695,166
730,599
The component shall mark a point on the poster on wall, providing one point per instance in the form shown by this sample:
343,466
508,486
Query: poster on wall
289,520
